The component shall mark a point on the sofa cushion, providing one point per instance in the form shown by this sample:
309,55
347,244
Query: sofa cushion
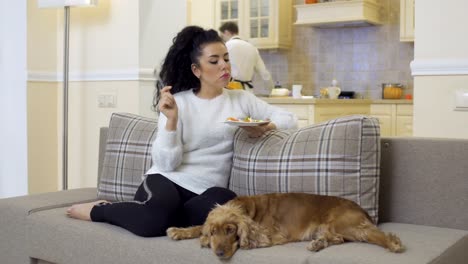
424,244
127,156
74,241
340,157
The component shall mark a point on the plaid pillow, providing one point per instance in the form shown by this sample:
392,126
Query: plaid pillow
340,157
127,156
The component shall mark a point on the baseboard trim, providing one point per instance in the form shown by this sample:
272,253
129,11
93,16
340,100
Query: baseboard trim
435,67
142,74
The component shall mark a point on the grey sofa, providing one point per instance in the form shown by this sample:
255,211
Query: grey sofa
423,199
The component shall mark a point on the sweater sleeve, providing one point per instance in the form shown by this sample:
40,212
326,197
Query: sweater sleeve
259,109
167,147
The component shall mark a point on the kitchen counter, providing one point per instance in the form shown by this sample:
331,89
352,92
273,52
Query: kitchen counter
314,110
395,116
290,100
393,101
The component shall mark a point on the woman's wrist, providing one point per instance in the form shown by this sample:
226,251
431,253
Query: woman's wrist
270,126
171,124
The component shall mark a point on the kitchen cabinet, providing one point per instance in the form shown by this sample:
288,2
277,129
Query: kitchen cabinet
312,111
396,119
264,23
332,110
340,13
201,13
404,120
302,111
407,20
267,24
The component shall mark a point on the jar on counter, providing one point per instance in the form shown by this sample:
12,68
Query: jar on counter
392,90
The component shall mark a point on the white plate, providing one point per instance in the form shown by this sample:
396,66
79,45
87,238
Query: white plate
241,123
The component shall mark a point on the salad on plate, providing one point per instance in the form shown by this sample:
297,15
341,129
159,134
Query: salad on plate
246,121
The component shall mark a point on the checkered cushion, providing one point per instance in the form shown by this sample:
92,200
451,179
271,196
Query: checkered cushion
340,157
127,156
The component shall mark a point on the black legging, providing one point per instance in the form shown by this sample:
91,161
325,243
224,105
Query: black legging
159,204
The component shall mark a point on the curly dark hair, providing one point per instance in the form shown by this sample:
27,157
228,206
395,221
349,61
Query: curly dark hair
176,69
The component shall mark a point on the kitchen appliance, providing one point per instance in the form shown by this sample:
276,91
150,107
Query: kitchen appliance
346,95
333,92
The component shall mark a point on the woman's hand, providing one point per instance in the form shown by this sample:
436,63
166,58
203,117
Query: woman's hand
258,131
168,106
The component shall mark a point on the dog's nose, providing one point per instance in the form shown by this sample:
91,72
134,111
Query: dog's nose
220,253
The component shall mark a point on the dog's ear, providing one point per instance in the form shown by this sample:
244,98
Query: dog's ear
246,205
251,234
205,235
249,208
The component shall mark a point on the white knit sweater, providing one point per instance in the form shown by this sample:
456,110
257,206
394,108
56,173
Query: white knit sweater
198,155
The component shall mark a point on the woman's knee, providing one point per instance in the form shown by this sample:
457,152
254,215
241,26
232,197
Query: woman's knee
197,208
221,195
149,225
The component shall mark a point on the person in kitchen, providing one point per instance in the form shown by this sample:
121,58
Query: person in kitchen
245,58
193,149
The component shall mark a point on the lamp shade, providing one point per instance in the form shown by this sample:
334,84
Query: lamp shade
62,3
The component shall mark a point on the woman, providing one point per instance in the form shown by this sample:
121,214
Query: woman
193,148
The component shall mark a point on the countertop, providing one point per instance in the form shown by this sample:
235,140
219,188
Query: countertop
290,100
392,101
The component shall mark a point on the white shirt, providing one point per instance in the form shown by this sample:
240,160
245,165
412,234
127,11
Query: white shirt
245,60
198,155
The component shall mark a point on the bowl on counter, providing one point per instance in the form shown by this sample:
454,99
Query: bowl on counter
279,92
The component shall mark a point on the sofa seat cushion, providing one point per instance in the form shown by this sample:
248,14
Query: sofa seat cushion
424,244
15,210
54,237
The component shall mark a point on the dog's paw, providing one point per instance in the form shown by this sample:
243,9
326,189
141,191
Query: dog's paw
248,244
245,243
394,243
204,241
174,233
317,245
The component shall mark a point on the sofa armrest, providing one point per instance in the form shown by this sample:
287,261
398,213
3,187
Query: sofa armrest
424,181
15,211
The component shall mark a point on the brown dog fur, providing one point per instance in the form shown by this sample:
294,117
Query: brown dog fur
278,218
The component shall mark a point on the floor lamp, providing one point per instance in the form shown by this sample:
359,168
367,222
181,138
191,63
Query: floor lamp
65,4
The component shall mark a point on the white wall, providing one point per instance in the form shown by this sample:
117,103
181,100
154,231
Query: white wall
160,20
13,135
114,48
440,68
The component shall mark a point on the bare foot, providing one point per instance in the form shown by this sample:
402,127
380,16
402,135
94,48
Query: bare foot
82,211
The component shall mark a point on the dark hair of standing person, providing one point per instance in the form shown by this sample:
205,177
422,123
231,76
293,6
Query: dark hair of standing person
231,27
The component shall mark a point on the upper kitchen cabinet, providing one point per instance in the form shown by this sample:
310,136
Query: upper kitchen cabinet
201,13
340,13
264,23
407,20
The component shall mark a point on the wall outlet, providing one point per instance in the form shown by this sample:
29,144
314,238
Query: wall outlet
107,100
461,100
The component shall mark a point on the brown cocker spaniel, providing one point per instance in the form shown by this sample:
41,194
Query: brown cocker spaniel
278,218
